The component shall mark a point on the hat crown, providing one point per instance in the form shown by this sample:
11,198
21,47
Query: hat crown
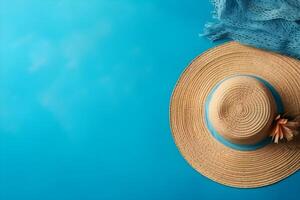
242,110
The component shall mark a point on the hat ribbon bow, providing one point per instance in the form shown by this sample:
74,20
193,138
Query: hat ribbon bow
285,129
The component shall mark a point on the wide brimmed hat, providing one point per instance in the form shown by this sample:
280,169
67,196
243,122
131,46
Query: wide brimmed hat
227,104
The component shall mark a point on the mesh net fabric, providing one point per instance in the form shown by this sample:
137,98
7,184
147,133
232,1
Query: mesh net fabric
267,24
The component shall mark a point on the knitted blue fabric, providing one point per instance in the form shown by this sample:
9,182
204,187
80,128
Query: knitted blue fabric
268,24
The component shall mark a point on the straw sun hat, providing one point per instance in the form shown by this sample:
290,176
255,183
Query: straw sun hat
227,104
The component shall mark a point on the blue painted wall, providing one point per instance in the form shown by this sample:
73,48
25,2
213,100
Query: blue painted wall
84,95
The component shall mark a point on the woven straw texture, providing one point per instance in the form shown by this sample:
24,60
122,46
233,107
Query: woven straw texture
242,110
243,169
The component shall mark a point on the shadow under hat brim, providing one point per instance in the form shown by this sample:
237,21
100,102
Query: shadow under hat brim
243,169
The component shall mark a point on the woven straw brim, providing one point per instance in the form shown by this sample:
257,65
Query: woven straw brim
243,169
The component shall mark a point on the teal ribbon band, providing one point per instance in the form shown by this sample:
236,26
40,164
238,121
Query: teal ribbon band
241,147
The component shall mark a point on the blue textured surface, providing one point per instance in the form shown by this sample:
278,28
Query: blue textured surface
84,96
268,24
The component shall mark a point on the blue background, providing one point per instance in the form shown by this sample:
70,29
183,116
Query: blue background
84,95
